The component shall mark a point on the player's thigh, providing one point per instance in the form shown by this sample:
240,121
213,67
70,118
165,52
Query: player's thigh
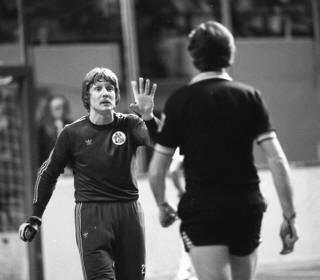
211,262
130,262
244,267
98,265
95,246
131,253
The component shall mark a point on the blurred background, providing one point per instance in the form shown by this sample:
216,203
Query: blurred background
47,46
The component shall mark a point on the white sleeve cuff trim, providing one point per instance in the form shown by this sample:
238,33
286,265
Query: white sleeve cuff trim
164,150
266,136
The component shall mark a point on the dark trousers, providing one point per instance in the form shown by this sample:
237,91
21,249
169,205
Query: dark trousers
111,240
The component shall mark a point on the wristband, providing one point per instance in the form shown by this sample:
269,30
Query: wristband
35,219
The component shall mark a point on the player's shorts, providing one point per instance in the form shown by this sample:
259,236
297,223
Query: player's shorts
111,240
233,221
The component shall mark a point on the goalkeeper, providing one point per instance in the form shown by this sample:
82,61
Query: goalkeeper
101,147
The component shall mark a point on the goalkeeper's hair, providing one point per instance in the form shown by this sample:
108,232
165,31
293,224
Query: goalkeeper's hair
95,75
212,47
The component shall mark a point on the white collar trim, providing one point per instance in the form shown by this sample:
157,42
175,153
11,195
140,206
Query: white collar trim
210,75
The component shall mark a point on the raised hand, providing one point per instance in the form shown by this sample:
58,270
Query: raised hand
144,98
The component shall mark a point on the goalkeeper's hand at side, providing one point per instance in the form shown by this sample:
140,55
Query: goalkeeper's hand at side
29,229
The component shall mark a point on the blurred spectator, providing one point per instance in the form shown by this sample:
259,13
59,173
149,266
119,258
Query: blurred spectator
276,21
162,27
8,22
55,116
56,21
261,18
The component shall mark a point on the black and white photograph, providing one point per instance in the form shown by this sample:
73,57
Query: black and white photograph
160,140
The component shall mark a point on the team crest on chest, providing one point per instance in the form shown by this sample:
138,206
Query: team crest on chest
119,138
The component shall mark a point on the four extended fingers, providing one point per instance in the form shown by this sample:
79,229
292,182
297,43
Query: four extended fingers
144,88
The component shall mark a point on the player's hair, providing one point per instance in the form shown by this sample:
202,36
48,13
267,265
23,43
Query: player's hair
211,46
95,75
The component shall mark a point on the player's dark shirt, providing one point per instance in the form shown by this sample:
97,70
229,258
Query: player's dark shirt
101,158
214,122
47,135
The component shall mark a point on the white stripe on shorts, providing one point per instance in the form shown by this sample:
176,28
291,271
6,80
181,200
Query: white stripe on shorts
79,237
187,241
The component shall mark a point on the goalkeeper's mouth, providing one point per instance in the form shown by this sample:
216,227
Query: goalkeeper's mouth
106,103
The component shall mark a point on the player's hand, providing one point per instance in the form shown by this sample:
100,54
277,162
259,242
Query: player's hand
143,98
289,235
29,229
167,215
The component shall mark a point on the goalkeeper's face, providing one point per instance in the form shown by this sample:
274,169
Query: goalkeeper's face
102,96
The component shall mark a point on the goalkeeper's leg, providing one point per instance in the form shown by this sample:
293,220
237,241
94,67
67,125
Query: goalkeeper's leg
130,253
95,241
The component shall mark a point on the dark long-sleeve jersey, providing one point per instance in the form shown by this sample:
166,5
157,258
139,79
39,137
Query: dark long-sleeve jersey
101,157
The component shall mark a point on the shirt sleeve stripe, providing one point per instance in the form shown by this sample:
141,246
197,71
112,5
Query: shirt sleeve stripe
42,169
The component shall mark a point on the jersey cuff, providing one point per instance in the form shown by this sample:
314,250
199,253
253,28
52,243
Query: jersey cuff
164,150
266,136
38,211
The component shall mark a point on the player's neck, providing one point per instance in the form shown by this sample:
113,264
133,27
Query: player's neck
101,118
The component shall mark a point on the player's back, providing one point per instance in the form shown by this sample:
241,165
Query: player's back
219,120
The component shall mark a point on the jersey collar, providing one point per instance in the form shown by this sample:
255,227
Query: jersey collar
210,75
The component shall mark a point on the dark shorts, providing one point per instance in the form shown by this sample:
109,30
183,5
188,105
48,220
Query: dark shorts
233,221
111,240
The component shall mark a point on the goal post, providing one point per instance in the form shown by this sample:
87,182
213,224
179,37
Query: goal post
17,171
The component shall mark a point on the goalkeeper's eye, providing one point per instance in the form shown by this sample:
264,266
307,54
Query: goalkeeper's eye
110,88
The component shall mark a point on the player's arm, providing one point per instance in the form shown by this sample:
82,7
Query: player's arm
158,169
151,131
45,183
278,163
280,170
175,170
145,131
167,142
